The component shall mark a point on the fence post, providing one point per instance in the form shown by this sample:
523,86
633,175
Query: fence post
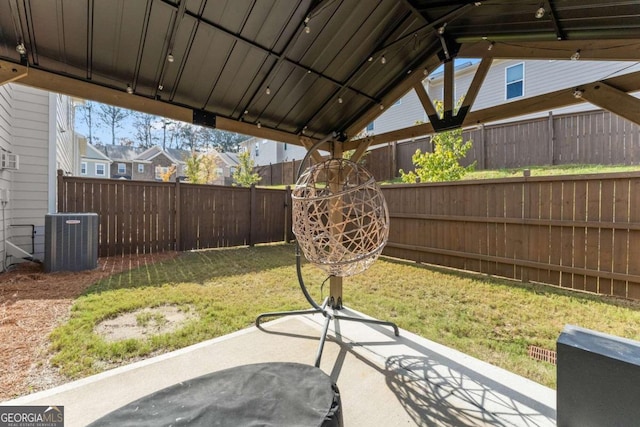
483,148
287,214
252,215
61,195
178,228
552,137
526,229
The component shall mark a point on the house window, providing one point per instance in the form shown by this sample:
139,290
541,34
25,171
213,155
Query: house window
140,168
515,81
122,168
100,168
161,170
369,127
83,168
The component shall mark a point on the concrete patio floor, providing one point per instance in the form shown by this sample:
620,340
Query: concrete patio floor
384,380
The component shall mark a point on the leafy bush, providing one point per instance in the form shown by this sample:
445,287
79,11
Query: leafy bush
443,164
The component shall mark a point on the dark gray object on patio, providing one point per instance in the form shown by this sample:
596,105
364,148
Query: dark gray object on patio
263,394
71,241
598,379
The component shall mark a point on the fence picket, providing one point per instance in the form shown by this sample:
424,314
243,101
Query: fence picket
580,232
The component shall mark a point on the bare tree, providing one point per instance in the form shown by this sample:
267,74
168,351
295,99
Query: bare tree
219,139
112,117
86,116
187,137
143,124
172,128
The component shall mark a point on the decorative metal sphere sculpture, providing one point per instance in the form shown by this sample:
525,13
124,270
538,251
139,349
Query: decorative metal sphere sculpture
340,217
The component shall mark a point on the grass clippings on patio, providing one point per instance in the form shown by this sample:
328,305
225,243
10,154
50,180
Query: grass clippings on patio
494,320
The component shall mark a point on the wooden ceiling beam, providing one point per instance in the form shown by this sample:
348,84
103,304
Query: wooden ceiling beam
510,47
613,96
10,72
396,135
415,77
86,90
548,101
250,129
612,99
119,98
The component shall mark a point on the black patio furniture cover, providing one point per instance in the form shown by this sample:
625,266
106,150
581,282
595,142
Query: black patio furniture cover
264,394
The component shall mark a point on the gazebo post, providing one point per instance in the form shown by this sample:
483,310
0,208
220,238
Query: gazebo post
335,282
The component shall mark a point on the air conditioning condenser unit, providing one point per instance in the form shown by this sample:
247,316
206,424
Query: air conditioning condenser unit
71,241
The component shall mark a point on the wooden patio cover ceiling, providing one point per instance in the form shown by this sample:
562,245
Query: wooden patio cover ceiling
303,70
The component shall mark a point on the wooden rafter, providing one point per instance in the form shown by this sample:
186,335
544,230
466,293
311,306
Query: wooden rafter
10,72
611,99
614,91
308,143
516,47
476,84
451,120
425,100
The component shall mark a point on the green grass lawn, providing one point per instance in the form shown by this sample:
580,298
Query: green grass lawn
494,320
551,170
575,169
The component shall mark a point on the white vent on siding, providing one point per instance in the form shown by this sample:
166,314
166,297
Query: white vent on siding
9,161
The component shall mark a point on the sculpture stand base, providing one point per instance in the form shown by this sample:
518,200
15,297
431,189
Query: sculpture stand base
328,316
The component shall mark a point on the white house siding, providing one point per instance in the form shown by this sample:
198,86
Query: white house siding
405,113
29,200
264,151
540,76
91,158
66,152
6,94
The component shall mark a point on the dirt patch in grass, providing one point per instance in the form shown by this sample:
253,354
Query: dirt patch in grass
32,304
141,324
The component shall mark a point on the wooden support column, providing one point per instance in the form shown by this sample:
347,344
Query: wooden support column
448,89
335,283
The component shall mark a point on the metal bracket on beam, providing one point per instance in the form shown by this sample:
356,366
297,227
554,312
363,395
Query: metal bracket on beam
204,118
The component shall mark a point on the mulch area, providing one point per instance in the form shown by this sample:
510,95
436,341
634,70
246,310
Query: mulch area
32,304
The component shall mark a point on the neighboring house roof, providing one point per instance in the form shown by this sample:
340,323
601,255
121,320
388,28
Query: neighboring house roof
175,155
94,153
230,159
180,155
120,153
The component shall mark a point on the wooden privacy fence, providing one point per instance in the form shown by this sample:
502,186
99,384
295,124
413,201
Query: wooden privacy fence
151,217
593,137
579,232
